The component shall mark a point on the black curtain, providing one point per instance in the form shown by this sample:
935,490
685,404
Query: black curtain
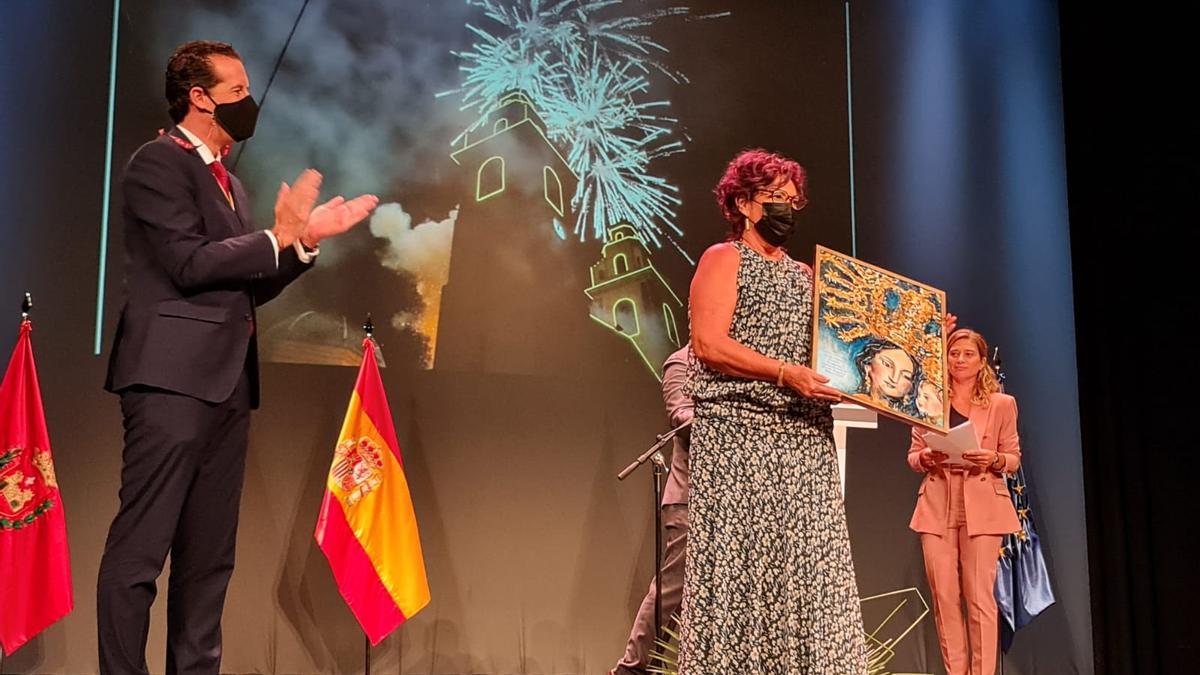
1129,84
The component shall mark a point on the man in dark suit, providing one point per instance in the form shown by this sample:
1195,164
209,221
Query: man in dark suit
184,360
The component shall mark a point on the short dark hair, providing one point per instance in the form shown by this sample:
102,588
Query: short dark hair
189,67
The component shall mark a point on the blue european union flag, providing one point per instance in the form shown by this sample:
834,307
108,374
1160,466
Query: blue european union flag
1022,583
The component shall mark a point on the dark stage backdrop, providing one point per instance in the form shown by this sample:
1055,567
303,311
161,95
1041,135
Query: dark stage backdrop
1133,169
961,182
528,272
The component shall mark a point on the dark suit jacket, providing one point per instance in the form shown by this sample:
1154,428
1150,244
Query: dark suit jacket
679,410
194,271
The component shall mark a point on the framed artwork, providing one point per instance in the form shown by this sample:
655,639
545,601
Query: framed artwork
878,337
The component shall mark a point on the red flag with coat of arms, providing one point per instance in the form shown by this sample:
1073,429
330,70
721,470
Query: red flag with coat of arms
35,567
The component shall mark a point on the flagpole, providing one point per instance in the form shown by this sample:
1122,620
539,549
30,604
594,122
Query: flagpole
366,655
368,328
26,307
999,372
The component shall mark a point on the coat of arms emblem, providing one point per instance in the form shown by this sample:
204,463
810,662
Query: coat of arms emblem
358,468
26,482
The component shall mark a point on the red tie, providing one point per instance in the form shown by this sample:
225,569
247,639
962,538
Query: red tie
215,166
222,176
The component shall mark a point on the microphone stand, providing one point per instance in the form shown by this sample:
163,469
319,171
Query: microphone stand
655,457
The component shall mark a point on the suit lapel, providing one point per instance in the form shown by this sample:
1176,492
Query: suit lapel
980,418
237,218
241,204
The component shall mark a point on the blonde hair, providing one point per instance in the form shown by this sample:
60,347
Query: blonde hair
985,381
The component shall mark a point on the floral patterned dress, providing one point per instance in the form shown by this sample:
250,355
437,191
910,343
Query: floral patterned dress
770,584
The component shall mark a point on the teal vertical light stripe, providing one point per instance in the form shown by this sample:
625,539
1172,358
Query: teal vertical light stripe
108,150
850,125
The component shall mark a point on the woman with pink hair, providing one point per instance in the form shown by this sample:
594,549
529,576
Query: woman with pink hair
769,584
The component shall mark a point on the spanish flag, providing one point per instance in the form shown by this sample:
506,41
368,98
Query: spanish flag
367,528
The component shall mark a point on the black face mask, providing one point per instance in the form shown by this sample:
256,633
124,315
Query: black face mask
777,224
238,119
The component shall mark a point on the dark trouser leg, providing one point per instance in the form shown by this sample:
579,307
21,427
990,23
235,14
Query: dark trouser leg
168,441
202,552
641,636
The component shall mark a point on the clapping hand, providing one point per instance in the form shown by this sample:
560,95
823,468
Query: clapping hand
298,218
294,206
335,217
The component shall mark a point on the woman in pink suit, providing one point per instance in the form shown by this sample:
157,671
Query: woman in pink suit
963,513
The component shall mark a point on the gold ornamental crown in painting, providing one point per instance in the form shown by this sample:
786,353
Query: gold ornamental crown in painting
864,302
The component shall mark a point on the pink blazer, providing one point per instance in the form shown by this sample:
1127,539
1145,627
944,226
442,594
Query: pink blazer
985,494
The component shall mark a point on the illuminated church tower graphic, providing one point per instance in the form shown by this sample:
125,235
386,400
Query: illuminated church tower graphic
631,298
512,300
